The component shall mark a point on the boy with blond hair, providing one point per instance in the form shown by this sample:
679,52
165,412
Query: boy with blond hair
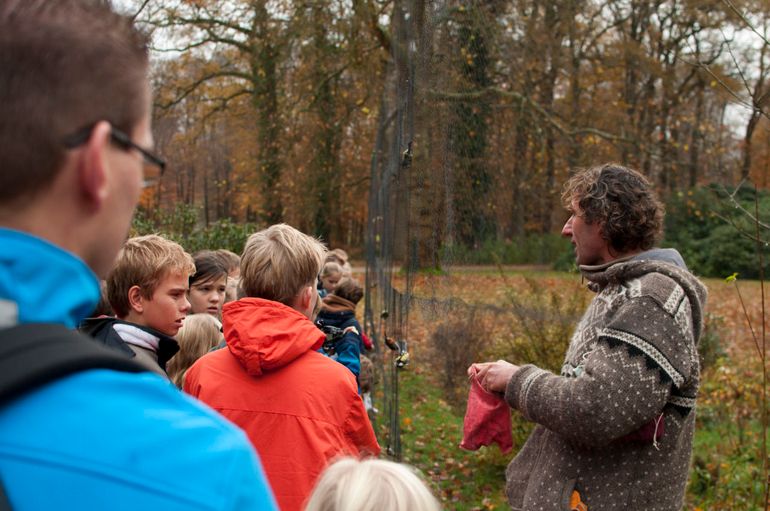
147,289
298,407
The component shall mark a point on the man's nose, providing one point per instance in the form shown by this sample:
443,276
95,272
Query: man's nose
567,229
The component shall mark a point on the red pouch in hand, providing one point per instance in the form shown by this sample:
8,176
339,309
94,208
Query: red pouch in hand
487,420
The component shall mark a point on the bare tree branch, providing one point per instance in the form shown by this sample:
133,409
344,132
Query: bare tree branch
743,17
526,101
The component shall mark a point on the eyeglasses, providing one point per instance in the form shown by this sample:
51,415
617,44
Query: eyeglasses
153,164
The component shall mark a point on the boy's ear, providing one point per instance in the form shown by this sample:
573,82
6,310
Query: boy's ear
135,299
307,297
304,301
92,171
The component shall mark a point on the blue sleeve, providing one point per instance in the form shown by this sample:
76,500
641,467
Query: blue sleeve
251,490
349,352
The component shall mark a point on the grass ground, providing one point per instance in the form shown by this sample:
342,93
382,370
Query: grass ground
726,471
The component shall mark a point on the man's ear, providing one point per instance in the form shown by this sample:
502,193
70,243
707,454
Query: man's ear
135,299
92,165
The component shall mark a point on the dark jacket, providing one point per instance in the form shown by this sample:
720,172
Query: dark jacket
102,330
340,313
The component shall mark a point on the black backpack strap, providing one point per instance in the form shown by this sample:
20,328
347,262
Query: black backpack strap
5,504
32,355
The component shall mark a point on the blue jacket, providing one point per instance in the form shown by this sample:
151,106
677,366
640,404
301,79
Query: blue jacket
347,350
102,439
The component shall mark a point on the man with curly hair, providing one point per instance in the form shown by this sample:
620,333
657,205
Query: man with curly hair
614,429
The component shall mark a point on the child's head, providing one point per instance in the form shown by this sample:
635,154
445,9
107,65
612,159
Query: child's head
148,284
337,255
331,275
208,285
350,290
231,293
281,264
369,485
198,335
231,261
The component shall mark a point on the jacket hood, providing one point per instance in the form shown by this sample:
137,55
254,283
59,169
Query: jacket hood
334,303
668,255
264,335
621,271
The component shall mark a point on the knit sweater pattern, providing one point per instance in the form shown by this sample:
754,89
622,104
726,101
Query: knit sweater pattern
632,363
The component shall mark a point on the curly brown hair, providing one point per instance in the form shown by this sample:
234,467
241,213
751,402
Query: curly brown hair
622,200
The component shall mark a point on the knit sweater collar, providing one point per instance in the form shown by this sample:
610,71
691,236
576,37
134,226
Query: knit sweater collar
599,276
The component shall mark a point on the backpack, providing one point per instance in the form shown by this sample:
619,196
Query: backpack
33,355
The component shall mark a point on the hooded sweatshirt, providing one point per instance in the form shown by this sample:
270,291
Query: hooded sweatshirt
299,408
632,362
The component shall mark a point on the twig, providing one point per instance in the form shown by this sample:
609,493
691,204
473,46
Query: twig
764,353
745,20
139,11
746,314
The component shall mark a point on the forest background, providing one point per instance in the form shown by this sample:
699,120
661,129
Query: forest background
270,111
432,134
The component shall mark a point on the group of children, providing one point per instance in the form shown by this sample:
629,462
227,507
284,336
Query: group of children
291,374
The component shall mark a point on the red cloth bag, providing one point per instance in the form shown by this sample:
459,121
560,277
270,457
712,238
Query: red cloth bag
487,420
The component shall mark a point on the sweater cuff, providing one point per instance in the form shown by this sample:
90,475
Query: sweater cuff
518,387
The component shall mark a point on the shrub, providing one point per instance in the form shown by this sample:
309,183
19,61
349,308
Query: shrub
456,344
544,319
529,249
181,225
713,232
710,346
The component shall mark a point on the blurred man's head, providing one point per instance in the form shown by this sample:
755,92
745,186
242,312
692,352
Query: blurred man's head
74,124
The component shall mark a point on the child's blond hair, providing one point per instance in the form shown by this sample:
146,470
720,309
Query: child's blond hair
337,255
144,261
199,333
278,262
371,485
331,268
340,257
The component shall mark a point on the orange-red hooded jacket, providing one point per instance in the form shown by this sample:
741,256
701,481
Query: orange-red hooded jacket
298,407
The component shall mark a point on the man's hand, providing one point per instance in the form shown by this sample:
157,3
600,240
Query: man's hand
493,376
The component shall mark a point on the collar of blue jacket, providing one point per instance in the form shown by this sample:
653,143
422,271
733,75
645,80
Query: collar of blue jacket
34,272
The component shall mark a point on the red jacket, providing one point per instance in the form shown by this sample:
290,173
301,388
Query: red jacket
298,407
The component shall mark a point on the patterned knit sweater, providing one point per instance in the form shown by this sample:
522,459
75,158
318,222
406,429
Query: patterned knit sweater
617,423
